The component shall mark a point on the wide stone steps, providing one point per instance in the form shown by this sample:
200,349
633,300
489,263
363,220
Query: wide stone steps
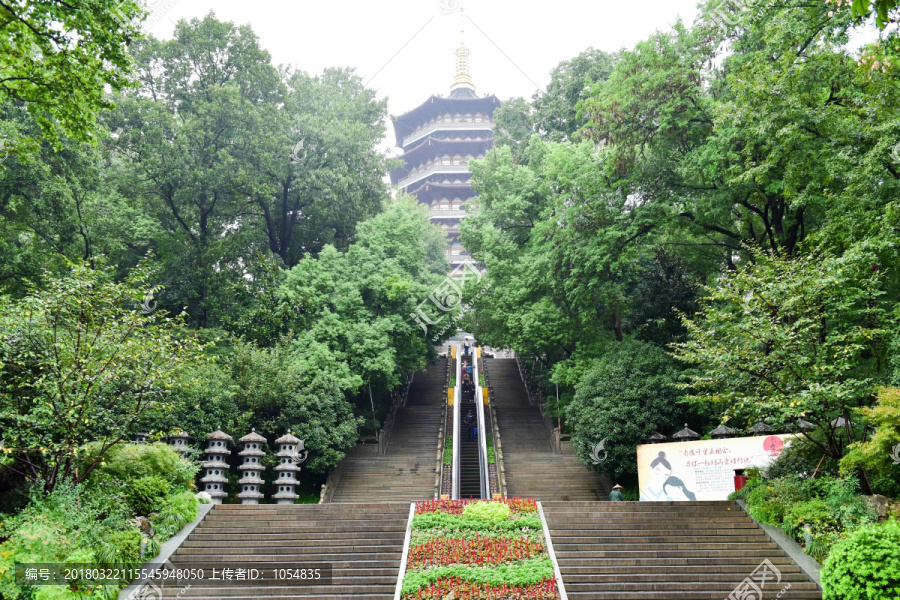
671,550
532,469
362,543
407,471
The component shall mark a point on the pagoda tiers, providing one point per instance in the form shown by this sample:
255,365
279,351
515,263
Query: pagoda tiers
252,467
216,466
439,139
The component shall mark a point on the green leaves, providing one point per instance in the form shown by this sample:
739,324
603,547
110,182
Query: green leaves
58,58
792,337
82,362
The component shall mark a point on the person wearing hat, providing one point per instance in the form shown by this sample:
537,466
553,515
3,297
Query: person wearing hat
616,494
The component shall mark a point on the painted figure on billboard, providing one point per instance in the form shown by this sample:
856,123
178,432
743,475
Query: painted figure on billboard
660,470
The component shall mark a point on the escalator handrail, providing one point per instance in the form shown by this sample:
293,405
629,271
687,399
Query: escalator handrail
457,441
482,434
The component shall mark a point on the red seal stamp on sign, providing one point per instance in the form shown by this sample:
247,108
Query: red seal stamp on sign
773,445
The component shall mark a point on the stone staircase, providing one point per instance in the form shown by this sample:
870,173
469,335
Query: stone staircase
533,470
665,551
407,471
362,542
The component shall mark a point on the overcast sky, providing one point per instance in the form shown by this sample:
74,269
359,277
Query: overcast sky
405,48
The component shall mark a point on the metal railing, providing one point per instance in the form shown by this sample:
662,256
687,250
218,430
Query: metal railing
482,436
399,400
413,177
457,398
440,126
537,397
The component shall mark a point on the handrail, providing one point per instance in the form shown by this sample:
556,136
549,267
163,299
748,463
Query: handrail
399,400
538,396
482,436
457,399
327,492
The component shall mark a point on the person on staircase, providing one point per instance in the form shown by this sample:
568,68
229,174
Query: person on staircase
616,494
469,422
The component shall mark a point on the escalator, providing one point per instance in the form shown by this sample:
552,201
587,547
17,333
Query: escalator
469,471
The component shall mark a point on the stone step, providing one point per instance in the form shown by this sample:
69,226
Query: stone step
531,467
650,551
407,471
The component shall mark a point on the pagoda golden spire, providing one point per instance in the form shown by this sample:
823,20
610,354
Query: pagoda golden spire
462,79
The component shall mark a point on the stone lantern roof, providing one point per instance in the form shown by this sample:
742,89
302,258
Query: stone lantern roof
288,438
686,434
761,428
655,438
722,431
220,435
253,437
805,425
179,434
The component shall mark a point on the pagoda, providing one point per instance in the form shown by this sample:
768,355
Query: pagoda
439,139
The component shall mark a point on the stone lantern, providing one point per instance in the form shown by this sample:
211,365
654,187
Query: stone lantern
140,437
216,466
803,425
761,428
722,432
655,438
252,467
179,440
290,454
686,435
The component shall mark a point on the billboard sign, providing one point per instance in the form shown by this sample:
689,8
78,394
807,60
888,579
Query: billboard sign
702,469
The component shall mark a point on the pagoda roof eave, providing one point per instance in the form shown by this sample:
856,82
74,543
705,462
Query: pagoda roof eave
406,123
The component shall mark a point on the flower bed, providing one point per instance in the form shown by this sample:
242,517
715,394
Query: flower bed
490,550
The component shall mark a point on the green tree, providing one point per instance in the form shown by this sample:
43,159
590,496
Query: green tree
320,171
353,310
626,396
56,206
556,109
879,455
284,394
183,139
81,362
59,56
792,338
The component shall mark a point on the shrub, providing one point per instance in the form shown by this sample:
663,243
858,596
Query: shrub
487,511
448,451
814,512
801,458
128,462
147,494
629,393
122,547
67,525
179,510
865,565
